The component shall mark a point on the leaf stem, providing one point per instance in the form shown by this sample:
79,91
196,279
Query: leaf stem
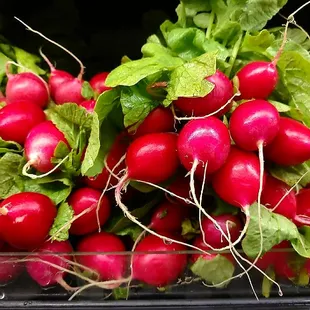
210,26
234,54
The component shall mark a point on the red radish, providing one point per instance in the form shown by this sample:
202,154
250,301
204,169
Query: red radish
56,77
116,152
206,141
274,191
89,105
88,198
254,123
168,217
25,219
303,207
198,242
152,158
40,145
158,269
159,120
214,101
69,91
54,252
10,268
27,86
237,182
17,119
108,266
211,234
97,82
257,80
292,136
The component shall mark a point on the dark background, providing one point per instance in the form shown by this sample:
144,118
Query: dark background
98,32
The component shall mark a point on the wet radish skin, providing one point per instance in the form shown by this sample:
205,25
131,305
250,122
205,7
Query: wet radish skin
97,82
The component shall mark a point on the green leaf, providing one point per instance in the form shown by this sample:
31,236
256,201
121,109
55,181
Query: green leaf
28,60
189,80
120,222
275,228
9,168
87,91
292,174
227,33
254,14
136,105
214,46
258,42
180,10
281,107
3,60
223,207
152,49
133,232
190,228
301,244
215,270
64,215
105,103
267,284
93,146
120,293
9,146
295,75
202,20
130,73
192,7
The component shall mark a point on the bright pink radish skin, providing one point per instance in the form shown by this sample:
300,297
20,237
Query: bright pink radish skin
17,119
213,236
159,120
25,219
217,98
40,145
27,86
89,105
273,192
206,140
303,207
158,269
97,82
69,91
237,182
199,243
116,152
291,145
88,198
168,217
9,268
108,266
253,123
45,274
257,80
152,158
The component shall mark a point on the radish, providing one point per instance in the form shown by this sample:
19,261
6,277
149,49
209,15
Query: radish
168,217
112,162
25,219
97,82
216,100
70,90
17,119
26,86
303,207
198,241
253,125
292,136
108,266
159,120
89,105
87,198
203,142
56,77
211,235
274,191
39,265
9,268
158,269
40,146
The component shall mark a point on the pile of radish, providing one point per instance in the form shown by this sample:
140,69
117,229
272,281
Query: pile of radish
196,168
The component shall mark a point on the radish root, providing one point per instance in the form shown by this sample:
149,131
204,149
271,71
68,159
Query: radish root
57,44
